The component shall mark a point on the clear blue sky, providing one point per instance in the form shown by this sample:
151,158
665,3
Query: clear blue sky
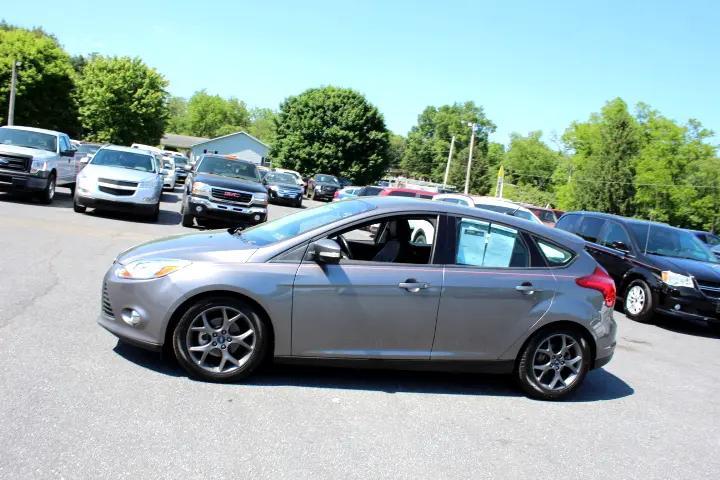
532,65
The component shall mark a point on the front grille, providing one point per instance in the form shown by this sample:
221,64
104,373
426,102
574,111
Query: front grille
10,162
122,183
328,189
231,195
120,192
710,289
288,191
106,306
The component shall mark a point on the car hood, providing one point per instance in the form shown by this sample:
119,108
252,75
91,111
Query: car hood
291,186
229,182
116,173
213,246
701,270
29,152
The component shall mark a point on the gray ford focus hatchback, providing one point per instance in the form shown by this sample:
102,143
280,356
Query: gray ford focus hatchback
374,281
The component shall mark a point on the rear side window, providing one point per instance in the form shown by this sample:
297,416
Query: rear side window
590,228
569,223
554,255
482,244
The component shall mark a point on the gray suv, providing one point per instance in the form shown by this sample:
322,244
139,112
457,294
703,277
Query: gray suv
350,281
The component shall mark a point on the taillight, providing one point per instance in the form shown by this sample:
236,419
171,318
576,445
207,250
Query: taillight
336,194
599,280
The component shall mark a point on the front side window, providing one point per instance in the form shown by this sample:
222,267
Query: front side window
482,244
327,179
615,236
121,159
568,222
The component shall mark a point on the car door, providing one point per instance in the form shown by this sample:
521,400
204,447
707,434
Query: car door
65,165
613,251
366,308
496,287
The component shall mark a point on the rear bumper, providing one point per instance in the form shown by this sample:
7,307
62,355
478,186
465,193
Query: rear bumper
225,212
23,181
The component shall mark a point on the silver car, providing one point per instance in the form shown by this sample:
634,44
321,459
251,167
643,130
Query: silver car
344,283
121,179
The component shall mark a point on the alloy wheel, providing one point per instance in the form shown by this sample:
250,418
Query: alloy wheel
635,301
557,362
221,339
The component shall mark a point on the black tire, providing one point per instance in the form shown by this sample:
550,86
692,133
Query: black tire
252,320
526,373
645,314
72,188
187,219
48,193
78,208
155,213
298,203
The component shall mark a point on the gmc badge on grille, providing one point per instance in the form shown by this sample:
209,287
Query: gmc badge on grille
232,194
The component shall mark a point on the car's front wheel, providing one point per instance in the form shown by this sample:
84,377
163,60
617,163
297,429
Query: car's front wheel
77,207
638,303
220,339
554,363
48,193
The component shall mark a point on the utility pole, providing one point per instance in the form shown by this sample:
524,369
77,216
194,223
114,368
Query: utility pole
473,126
13,82
447,168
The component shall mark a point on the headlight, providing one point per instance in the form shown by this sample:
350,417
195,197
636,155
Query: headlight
273,188
260,197
677,280
38,165
200,188
146,269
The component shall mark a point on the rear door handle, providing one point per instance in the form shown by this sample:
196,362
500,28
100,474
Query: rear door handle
527,288
413,286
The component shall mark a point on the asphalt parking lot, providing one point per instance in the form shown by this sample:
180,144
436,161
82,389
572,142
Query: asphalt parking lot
76,404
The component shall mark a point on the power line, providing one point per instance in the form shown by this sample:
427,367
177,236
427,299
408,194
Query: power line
602,182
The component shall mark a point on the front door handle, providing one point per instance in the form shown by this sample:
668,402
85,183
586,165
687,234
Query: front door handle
413,286
527,288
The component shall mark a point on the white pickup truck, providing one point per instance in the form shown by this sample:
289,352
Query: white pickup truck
35,160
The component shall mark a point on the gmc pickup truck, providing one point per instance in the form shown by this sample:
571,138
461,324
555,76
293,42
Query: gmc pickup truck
34,160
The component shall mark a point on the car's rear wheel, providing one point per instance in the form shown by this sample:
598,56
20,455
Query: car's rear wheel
554,363
220,339
638,304
155,213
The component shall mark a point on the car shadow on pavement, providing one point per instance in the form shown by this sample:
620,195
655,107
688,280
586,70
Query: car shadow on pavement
166,217
170,197
685,327
599,384
63,198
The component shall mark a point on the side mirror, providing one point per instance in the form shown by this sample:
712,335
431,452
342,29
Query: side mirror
67,153
327,251
85,160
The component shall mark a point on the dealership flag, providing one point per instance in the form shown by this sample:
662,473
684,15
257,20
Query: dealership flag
500,181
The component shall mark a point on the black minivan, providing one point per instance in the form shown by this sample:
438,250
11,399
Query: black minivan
657,268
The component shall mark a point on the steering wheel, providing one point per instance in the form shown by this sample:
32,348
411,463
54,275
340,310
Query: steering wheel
344,246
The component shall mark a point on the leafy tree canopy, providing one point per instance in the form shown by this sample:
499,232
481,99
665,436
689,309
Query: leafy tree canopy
212,116
122,100
332,130
45,80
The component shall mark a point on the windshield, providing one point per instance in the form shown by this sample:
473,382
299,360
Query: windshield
117,158
181,161
502,209
26,138
369,191
670,242
712,240
86,148
301,222
228,168
327,179
280,178
168,164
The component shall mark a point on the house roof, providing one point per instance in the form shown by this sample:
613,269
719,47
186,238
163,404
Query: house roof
181,141
204,140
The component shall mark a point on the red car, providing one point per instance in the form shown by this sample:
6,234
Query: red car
406,192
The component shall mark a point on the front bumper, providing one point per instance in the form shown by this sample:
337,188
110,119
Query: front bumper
324,194
225,212
11,180
89,192
180,177
688,304
116,206
285,196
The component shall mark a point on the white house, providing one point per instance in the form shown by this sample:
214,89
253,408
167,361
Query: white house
241,144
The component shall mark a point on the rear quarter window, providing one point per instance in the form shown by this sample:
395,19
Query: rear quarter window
555,256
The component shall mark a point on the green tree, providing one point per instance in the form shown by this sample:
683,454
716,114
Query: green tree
46,80
396,150
428,145
529,161
177,116
263,124
332,130
603,169
122,101
213,116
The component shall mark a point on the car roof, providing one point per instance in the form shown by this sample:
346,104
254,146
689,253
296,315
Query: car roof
32,129
225,157
400,204
120,148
